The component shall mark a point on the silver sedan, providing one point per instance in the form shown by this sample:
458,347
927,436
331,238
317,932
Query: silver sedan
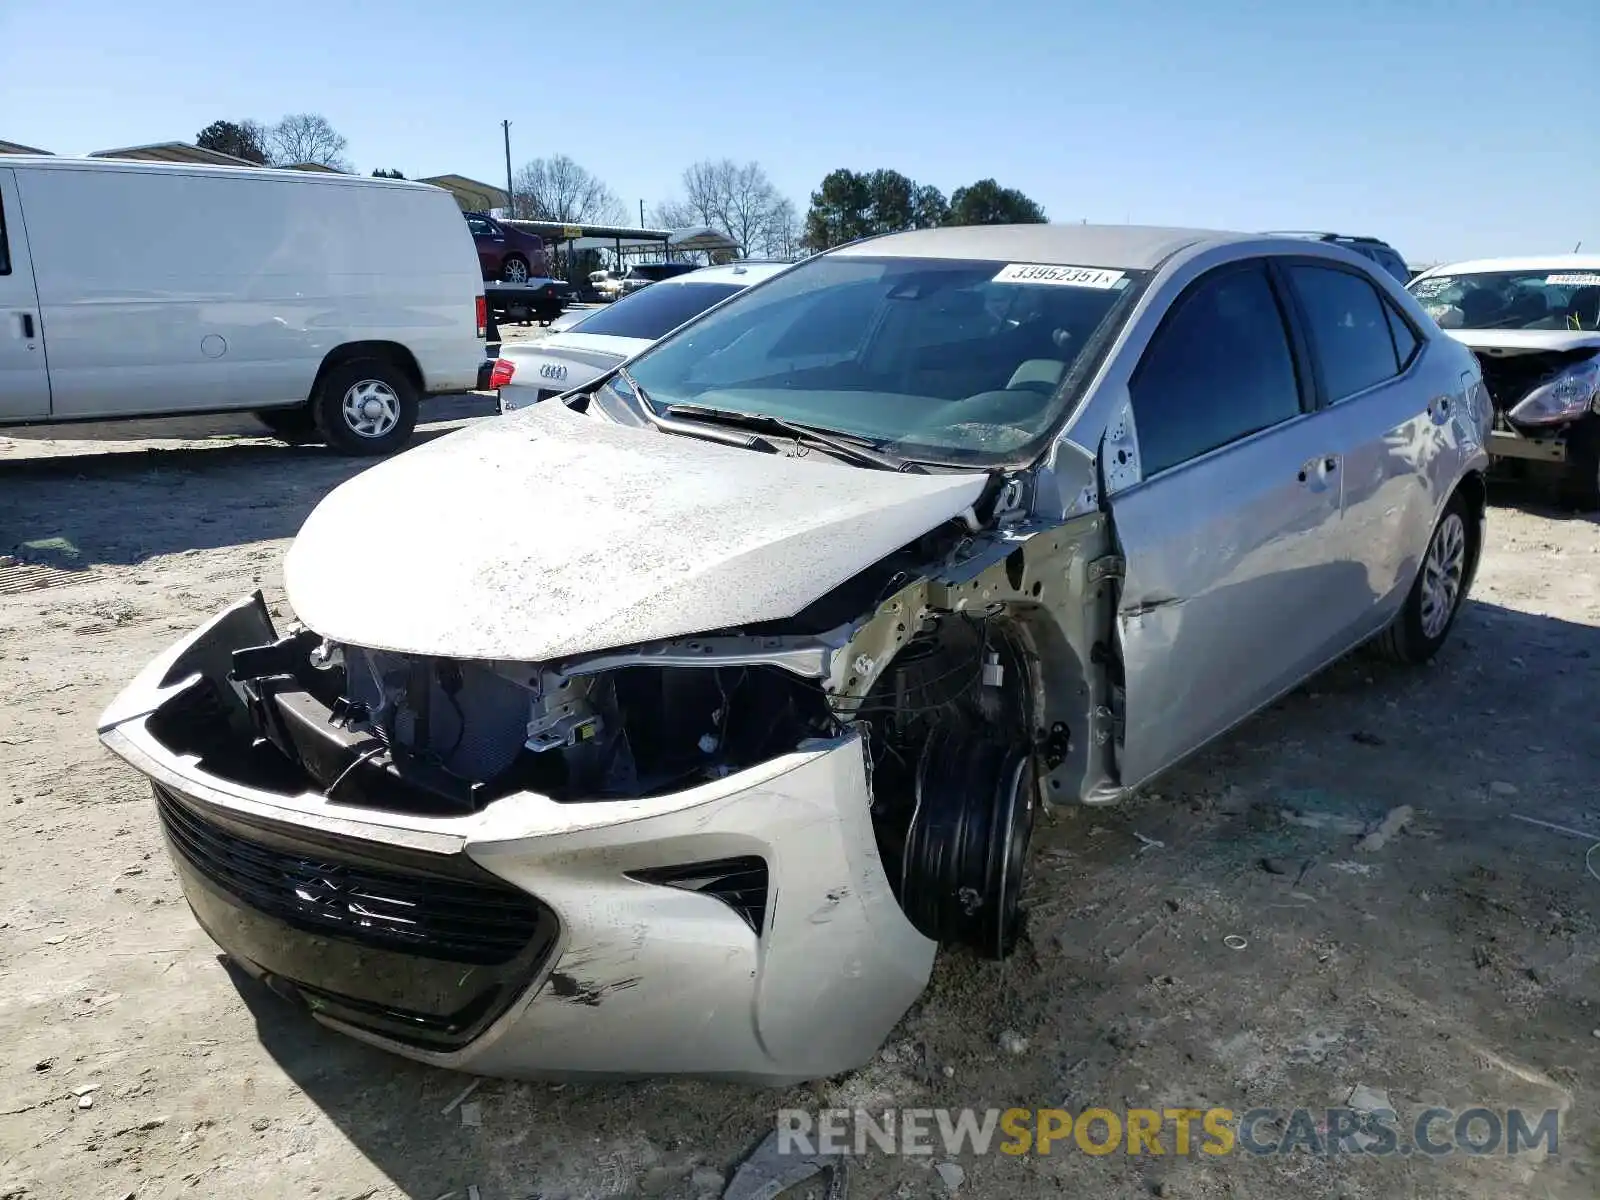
673,727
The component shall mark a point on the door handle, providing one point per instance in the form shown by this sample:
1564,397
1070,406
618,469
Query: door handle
1319,467
27,326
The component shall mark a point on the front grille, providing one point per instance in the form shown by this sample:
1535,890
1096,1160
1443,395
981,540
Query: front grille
483,923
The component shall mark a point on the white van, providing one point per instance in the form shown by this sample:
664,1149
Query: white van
326,304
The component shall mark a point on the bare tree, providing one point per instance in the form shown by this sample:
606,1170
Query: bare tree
307,138
784,233
558,189
739,200
673,214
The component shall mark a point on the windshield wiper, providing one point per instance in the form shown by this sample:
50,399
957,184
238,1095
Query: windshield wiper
745,441
842,444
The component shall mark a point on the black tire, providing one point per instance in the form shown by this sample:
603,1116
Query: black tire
293,425
1412,638
506,272
1580,485
355,428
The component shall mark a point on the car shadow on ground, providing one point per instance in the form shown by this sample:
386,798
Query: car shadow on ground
121,507
1536,498
1357,729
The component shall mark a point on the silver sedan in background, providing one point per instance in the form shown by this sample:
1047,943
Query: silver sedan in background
825,594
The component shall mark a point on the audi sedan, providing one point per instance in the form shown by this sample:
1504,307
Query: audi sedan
730,684
600,340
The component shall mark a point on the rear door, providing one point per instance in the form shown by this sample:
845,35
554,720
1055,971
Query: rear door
1379,421
24,373
1225,535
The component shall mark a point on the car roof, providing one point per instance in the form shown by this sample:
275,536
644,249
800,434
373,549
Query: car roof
1535,262
1130,247
1328,237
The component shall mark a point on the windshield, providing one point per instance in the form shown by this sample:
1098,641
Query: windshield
940,360
653,311
1546,299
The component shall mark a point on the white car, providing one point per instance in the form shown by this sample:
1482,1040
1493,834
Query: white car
605,337
1534,324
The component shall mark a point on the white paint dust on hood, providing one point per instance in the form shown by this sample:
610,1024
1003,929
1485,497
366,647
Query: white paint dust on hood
549,533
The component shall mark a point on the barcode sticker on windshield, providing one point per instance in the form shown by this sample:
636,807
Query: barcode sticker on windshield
1582,279
1084,277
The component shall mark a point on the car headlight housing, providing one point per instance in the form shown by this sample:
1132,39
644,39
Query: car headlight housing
1570,394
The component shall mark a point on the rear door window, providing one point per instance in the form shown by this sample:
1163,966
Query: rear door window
1349,326
1220,368
5,246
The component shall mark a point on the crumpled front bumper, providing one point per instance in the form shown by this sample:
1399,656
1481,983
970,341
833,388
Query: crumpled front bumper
603,974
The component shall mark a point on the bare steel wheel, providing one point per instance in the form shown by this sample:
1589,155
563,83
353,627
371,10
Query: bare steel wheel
1424,621
366,406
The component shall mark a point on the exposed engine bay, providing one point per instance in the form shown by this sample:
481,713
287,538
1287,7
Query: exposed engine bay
946,694
1509,377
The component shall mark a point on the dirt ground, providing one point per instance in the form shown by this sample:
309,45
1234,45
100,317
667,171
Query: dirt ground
1454,965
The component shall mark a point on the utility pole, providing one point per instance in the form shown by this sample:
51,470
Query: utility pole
511,202
641,214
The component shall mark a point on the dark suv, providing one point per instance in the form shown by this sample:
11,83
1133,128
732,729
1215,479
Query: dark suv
645,274
507,253
1380,252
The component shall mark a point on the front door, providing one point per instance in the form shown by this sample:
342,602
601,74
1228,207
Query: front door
24,375
1226,534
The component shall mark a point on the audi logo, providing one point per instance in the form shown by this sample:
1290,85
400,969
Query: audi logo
552,371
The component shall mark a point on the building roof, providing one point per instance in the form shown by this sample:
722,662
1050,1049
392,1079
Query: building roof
472,194
317,168
1131,247
175,152
19,148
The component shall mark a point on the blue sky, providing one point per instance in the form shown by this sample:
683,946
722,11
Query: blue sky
1450,129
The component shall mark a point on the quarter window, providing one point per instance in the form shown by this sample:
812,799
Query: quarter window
1406,341
5,247
1219,369
1350,330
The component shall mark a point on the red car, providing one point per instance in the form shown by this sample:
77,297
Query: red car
507,253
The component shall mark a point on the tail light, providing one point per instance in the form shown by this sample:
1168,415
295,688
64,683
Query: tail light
504,369
483,317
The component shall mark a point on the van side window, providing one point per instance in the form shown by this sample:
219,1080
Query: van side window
5,246
1218,369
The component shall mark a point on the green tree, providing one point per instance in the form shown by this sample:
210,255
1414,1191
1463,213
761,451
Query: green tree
840,210
987,203
387,173
242,139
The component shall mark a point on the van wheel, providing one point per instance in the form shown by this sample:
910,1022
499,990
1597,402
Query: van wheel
514,269
293,425
1423,623
366,407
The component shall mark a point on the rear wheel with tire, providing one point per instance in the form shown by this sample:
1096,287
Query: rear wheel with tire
367,406
1423,623
293,425
514,269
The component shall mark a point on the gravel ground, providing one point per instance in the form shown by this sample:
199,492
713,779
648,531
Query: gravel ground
1452,965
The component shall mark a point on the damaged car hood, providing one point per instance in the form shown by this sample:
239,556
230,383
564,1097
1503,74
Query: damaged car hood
1525,341
551,533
